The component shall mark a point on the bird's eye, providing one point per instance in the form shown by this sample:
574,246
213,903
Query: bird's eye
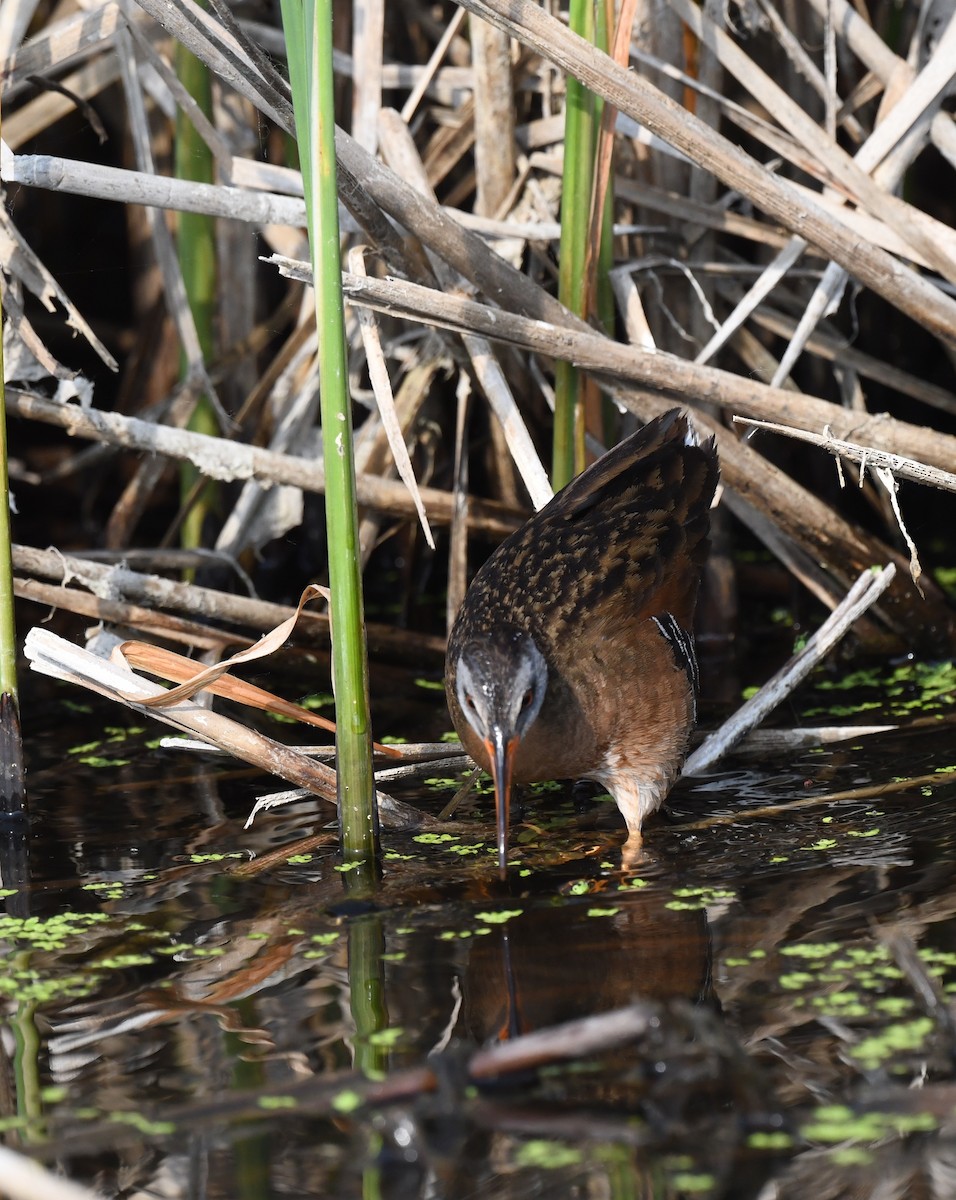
468,700
526,699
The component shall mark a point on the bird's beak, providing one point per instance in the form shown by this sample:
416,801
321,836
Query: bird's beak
501,752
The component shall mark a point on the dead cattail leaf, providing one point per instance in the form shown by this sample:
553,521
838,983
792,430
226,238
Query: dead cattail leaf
169,665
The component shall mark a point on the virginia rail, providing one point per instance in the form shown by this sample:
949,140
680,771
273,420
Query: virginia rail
572,655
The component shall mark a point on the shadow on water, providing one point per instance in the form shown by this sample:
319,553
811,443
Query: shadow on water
176,1024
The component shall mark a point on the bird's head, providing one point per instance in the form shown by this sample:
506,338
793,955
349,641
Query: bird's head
500,685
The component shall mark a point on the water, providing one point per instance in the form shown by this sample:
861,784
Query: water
178,1023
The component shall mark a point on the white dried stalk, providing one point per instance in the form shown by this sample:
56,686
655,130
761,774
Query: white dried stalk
783,741
833,349
427,74
628,298
823,303
368,35
912,113
15,18
384,398
536,231
157,191
888,480
503,404
865,456
867,589
24,1179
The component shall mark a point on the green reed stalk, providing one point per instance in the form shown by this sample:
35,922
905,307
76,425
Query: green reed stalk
367,1002
26,1057
581,124
196,245
308,34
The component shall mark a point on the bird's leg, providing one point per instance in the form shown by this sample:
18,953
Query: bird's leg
632,852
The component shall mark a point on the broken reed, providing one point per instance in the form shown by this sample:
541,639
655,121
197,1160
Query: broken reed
307,25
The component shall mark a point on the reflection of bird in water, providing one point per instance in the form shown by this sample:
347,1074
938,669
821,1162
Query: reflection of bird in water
572,655
542,967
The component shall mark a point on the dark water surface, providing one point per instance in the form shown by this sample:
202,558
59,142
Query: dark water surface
176,1025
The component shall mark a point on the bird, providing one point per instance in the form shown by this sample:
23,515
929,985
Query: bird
572,654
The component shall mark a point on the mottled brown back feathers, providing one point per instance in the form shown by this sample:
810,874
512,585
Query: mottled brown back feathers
623,541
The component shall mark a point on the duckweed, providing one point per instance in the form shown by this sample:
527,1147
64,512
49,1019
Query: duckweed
811,949
143,1124
835,1123
386,1037
770,1140
690,1182
347,1102
693,899
903,1037
430,685
851,1156
48,933
908,687
548,1154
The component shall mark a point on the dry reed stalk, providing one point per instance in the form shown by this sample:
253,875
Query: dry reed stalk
108,586
623,363
222,459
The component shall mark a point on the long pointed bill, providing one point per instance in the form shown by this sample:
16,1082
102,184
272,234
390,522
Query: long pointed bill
501,753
